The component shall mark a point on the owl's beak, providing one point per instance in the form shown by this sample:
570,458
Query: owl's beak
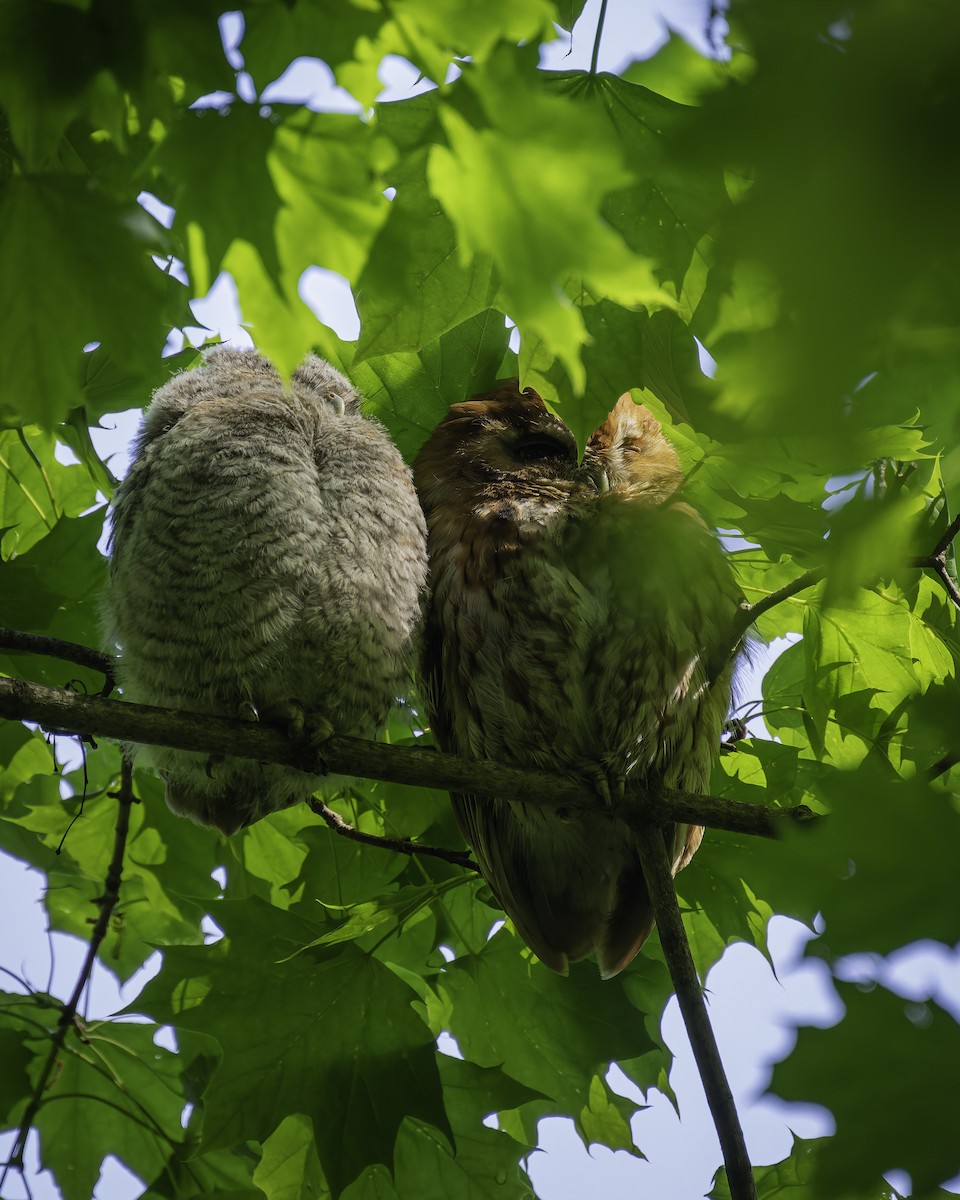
602,481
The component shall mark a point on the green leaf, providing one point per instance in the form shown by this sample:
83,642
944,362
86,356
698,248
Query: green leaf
55,588
794,1179
15,1083
248,209
36,489
56,233
550,1034
346,1049
414,286
411,393
74,845
289,1168
116,1092
529,198
876,1132
276,34
324,168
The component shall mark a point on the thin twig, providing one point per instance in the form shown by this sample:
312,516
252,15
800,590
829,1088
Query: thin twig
459,858
65,711
36,643
107,903
683,973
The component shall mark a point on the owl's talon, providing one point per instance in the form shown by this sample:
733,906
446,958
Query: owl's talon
213,760
610,785
317,729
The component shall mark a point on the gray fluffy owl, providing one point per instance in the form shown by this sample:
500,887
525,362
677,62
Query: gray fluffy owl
267,554
576,610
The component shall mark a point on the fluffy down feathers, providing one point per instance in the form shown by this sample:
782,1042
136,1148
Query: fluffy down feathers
267,548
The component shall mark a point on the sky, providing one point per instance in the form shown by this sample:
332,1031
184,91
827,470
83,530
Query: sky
753,1005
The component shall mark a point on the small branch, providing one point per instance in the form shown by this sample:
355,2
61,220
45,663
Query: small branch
66,712
107,903
750,612
460,858
941,548
683,973
83,656
943,765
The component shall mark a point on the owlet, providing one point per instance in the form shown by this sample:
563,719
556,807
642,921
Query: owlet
267,557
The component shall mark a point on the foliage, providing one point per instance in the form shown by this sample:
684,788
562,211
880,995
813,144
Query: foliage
792,207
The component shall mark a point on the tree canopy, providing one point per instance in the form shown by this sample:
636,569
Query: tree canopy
790,207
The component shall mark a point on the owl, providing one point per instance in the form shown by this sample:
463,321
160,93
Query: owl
574,610
267,559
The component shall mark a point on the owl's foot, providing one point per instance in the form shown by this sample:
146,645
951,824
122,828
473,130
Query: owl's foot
609,784
309,728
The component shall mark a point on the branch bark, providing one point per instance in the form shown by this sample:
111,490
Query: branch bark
107,903
459,858
683,973
61,711
19,642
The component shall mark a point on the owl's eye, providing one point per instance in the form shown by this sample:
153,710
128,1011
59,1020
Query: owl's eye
539,447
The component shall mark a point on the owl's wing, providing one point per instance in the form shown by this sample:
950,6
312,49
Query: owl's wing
489,827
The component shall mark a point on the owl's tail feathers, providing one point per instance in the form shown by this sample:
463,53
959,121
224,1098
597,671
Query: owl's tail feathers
629,925
632,919
217,809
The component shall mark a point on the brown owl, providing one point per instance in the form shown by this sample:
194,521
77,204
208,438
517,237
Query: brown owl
267,558
574,610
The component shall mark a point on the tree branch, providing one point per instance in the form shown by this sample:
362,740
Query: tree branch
83,656
61,711
946,541
748,613
683,973
937,562
107,903
460,858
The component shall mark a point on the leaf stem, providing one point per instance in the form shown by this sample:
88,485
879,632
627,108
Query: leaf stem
597,38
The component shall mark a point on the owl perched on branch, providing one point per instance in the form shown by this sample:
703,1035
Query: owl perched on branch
575,609
267,559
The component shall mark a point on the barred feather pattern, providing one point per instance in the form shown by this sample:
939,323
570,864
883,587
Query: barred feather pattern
575,609
267,551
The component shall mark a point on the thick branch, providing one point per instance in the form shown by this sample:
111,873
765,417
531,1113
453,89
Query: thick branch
683,973
107,903
65,712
